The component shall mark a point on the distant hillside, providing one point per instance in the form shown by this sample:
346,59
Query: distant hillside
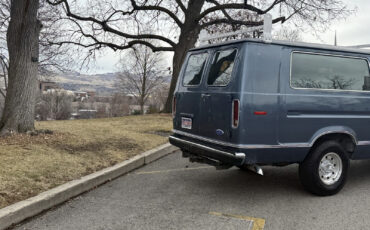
103,84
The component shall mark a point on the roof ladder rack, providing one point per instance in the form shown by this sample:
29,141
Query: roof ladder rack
267,28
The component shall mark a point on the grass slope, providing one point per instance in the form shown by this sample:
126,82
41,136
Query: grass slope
32,164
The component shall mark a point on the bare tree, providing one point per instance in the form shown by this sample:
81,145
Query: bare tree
4,68
233,15
159,97
3,80
4,61
177,23
54,104
101,111
333,82
307,83
50,57
23,47
118,105
24,43
141,74
288,34
340,82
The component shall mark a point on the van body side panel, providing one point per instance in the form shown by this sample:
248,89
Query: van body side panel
260,95
361,152
306,113
270,156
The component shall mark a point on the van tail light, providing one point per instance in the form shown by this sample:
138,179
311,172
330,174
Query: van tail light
235,113
173,106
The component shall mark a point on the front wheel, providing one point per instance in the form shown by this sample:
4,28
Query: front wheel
324,171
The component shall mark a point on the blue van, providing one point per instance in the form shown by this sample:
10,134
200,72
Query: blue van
248,103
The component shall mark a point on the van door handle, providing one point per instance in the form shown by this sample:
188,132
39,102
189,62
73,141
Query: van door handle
206,95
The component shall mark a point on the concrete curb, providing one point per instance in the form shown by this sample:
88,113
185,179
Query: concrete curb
22,210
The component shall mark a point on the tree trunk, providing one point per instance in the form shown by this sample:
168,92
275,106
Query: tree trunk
141,106
188,37
178,59
23,46
143,87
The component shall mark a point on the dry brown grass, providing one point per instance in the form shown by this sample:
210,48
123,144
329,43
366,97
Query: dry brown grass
32,164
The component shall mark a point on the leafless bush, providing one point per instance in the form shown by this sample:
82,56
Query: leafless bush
102,111
55,105
119,105
158,98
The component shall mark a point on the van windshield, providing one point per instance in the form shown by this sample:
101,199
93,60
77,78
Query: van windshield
222,67
194,69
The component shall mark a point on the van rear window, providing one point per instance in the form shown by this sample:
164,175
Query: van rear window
329,72
194,69
221,68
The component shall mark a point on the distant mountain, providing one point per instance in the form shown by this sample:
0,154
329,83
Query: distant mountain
102,84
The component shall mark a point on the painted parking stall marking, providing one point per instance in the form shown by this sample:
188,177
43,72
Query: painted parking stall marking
254,223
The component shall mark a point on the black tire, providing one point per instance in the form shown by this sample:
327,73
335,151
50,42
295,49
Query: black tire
309,169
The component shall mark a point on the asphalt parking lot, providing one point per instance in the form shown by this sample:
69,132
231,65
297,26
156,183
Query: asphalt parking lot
172,193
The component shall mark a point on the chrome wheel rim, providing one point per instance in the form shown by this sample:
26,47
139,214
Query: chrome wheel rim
330,168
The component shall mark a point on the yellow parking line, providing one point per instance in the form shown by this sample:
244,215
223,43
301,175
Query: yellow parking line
174,170
258,223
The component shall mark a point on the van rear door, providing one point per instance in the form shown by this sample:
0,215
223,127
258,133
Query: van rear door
217,97
188,95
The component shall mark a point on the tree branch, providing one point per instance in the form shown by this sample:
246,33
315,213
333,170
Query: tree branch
182,7
97,44
222,10
105,27
236,6
115,47
157,8
238,22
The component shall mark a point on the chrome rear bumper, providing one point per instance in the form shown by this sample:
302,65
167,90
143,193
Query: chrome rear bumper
237,159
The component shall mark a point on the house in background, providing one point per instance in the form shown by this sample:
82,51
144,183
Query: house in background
84,95
47,85
84,114
91,94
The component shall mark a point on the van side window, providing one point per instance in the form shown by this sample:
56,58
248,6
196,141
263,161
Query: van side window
194,69
329,72
221,68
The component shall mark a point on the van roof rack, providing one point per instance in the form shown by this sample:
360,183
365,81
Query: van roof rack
267,28
206,39
352,49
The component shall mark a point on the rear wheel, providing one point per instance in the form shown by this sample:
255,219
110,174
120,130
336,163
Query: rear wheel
324,171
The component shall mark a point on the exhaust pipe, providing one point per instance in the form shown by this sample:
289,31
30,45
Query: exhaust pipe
255,168
240,156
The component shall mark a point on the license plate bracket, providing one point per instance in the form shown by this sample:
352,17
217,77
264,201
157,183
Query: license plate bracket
186,123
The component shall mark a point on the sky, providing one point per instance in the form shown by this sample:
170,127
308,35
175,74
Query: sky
354,30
